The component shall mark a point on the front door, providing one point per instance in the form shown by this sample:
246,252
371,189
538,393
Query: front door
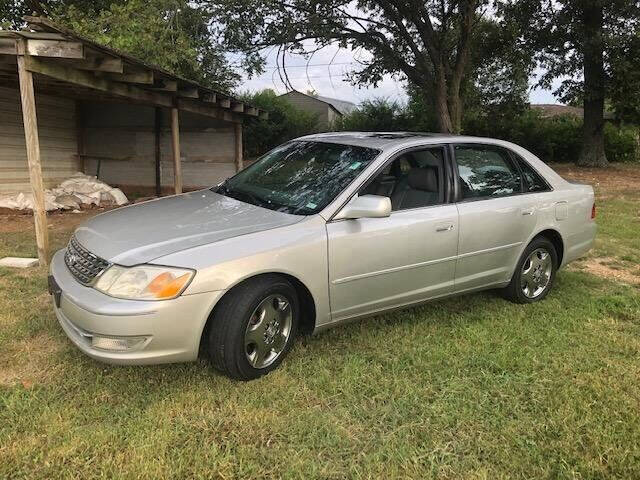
380,263
495,217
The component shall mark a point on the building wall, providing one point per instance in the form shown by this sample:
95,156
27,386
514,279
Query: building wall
121,138
310,104
58,143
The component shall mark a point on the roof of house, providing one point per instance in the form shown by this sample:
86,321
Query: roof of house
343,107
554,110
61,59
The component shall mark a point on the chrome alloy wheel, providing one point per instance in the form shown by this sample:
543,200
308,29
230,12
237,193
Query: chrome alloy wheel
268,331
536,273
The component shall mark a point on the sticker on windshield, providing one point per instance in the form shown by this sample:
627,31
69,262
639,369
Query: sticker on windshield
355,165
311,205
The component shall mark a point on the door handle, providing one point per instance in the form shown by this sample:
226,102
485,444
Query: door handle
444,228
528,211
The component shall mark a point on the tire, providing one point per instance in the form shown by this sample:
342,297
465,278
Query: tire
534,274
253,327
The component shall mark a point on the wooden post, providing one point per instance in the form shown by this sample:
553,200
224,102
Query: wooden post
175,143
80,136
27,96
158,157
238,137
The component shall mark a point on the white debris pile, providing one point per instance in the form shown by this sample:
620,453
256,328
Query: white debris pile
71,194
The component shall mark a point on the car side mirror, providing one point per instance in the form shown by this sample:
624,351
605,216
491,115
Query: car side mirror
365,206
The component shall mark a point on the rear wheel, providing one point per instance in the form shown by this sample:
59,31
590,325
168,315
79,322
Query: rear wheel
253,327
534,273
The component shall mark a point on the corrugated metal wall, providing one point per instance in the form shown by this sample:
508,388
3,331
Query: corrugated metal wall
121,137
58,144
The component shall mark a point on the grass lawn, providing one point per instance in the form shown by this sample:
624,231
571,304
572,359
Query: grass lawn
470,387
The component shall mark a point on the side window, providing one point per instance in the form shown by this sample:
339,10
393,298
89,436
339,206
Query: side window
413,180
486,171
533,181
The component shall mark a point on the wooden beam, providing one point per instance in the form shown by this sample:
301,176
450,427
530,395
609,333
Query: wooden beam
8,46
209,97
237,107
88,80
165,85
99,62
175,144
144,77
238,146
27,97
80,136
54,48
158,152
188,92
209,111
224,102
253,111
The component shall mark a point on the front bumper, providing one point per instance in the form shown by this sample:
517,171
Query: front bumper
171,328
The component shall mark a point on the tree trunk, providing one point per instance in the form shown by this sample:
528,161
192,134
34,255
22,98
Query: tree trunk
445,125
592,153
455,111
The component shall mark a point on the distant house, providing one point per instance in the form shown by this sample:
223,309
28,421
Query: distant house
327,109
548,110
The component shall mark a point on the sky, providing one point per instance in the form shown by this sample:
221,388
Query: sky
326,76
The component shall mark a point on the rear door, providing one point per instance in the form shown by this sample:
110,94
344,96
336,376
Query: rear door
495,217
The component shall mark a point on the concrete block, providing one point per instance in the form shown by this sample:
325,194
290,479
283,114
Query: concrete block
18,262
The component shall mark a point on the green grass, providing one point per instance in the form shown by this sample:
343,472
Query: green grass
470,387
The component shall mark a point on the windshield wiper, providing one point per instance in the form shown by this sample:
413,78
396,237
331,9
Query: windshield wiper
243,195
224,189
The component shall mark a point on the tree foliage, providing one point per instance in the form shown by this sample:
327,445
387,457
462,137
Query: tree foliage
433,44
176,35
555,139
585,42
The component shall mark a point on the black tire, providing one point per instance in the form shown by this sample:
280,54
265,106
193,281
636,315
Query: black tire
227,344
514,291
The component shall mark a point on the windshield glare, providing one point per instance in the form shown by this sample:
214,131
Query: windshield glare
300,177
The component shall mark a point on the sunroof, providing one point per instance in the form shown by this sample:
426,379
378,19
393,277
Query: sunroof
394,135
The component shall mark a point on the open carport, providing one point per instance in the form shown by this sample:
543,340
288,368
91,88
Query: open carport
68,104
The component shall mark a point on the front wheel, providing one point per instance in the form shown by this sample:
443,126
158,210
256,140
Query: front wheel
535,272
253,327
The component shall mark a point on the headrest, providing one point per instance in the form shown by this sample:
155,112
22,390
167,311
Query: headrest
425,178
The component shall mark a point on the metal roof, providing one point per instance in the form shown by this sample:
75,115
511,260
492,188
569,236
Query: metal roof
342,107
61,59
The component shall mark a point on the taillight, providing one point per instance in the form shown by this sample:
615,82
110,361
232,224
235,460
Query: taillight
593,211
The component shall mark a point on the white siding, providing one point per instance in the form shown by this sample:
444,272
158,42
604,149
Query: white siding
312,105
58,144
121,138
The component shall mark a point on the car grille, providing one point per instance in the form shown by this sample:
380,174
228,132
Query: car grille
83,265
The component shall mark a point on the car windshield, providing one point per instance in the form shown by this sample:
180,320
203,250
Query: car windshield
300,177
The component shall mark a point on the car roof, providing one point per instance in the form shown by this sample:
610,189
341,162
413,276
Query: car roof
386,140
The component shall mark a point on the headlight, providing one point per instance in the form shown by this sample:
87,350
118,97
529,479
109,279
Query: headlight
144,282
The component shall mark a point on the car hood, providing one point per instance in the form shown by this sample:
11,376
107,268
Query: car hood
143,232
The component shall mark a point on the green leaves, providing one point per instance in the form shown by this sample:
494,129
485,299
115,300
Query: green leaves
177,35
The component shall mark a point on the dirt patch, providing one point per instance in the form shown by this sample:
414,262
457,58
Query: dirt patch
608,267
22,222
28,362
610,180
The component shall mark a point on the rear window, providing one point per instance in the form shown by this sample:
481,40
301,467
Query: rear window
533,181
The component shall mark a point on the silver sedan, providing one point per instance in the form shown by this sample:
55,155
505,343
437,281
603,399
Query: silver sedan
319,231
